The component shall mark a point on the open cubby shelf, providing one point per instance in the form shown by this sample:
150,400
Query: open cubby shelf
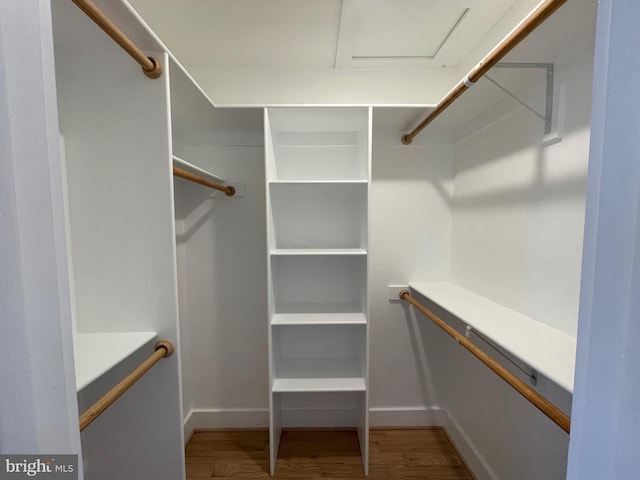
319,215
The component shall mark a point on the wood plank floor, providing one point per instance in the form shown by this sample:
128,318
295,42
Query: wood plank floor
322,454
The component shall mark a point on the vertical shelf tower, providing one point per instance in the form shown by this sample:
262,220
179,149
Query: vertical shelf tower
318,170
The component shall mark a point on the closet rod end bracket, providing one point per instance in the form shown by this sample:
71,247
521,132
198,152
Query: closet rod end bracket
167,346
156,71
407,139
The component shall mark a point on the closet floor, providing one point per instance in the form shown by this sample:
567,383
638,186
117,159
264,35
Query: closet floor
395,454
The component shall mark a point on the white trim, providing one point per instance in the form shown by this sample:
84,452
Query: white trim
467,450
225,418
407,417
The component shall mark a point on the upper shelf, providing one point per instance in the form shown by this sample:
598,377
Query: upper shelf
549,351
189,167
97,353
321,144
318,251
357,318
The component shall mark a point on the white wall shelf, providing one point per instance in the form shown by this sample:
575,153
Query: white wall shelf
191,168
293,385
318,307
317,182
318,251
549,351
97,353
319,319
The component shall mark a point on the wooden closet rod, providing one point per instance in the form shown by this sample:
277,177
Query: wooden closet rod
533,21
151,67
546,407
228,190
164,348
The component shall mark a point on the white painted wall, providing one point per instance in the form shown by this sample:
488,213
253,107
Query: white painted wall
517,229
519,207
410,238
223,296
38,410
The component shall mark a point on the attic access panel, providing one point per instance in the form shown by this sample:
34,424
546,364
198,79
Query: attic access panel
413,33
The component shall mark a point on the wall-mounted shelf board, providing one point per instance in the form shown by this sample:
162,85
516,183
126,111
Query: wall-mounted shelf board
318,319
330,308
191,168
549,351
316,182
293,385
97,353
318,251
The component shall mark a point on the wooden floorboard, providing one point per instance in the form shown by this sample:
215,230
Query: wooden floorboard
395,454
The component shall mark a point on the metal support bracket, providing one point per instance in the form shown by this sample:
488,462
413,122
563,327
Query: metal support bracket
548,112
532,374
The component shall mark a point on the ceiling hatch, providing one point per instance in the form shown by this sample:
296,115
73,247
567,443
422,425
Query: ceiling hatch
413,33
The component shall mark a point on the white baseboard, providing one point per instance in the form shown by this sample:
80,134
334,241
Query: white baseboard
378,417
467,450
225,418
406,417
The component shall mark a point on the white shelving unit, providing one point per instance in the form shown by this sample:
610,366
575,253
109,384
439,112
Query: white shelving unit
547,350
318,172
120,236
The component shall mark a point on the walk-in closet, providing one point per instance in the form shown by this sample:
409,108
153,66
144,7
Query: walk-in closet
302,239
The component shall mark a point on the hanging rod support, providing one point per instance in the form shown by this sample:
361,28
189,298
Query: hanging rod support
228,190
548,112
532,375
533,21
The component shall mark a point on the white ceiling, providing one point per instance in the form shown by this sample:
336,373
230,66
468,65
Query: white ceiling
354,52
322,33
413,33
